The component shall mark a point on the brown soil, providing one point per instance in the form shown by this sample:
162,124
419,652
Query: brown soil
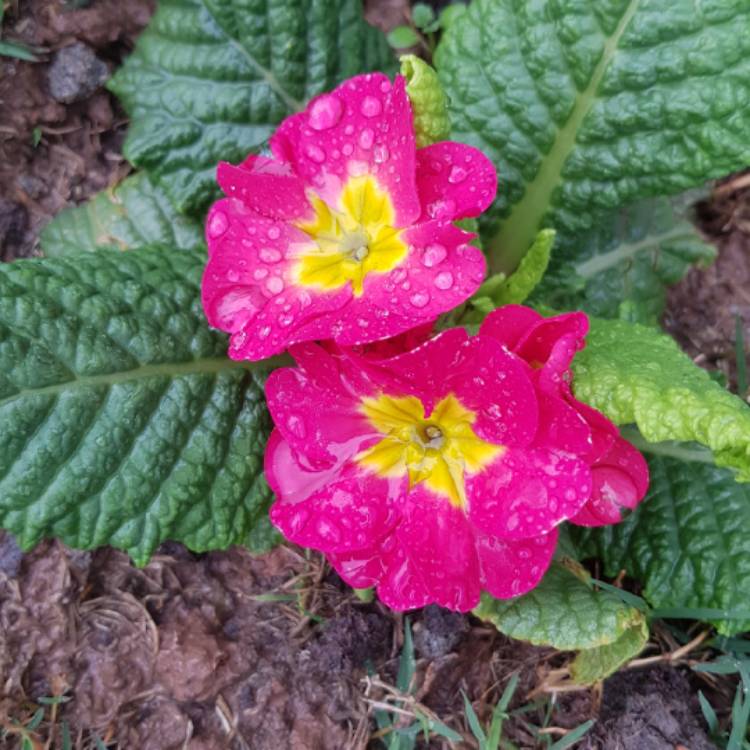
229,651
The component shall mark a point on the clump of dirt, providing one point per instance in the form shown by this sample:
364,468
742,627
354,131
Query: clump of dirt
703,309
61,133
653,709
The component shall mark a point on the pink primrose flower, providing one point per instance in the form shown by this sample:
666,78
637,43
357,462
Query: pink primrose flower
433,474
347,233
548,345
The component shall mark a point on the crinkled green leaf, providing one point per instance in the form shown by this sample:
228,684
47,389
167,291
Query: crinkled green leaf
135,213
625,262
585,106
565,611
209,80
635,374
428,101
687,543
121,419
499,290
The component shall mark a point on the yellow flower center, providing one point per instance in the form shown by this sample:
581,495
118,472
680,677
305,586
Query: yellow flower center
439,450
356,239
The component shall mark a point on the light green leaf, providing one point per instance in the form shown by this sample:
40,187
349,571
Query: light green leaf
635,374
402,37
565,611
121,420
499,290
422,15
628,258
428,101
133,214
687,543
586,106
210,80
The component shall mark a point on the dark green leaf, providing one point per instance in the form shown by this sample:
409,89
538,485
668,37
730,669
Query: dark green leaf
586,106
210,80
687,543
135,213
121,420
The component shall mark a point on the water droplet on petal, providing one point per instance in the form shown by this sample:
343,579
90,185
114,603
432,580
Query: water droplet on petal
444,280
349,129
218,224
296,425
419,299
269,254
380,154
457,175
371,106
233,276
512,522
263,332
238,340
260,273
274,233
325,112
366,138
286,320
275,284
315,153
437,165
442,209
385,87
347,148
433,254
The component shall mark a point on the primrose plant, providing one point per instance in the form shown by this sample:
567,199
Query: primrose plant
337,349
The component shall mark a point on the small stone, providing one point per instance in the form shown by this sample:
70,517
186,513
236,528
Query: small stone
439,631
75,73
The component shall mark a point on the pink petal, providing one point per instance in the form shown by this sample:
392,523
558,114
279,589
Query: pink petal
440,272
401,587
509,324
345,514
562,427
365,126
249,287
510,568
439,542
525,493
454,181
603,431
361,569
267,187
553,342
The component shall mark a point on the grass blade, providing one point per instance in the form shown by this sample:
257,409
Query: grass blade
572,737
474,725
407,664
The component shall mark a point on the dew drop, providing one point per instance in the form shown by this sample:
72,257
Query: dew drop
385,87
444,280
380,154
419,299
296,425
218,224
371,106
349,129
457,175
433,254
437,166
286,320
442,209
260,273
366,138
325,112
348,149
238,340
233,276
274,233
269,254
315,153
263,332
512,522
275,284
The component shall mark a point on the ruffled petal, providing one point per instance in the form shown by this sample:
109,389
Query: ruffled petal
361,569
525,493
509,324
509,568
267,187
365,126
438,540
454,181
401,588
562,427
343,515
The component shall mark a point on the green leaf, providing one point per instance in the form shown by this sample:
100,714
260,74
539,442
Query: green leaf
687,542
585,106
635,374
121,420
134,214
428,101
499,290
210,80
402,37
566,612
19,51
630,257
422,15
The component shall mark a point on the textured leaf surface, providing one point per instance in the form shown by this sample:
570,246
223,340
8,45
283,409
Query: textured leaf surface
136,213
594,664
622,267
687,543
121,420
563,611
634,374
209,80
586,106
428,101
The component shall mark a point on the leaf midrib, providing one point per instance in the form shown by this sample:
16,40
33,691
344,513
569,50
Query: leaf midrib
203,366
518,230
